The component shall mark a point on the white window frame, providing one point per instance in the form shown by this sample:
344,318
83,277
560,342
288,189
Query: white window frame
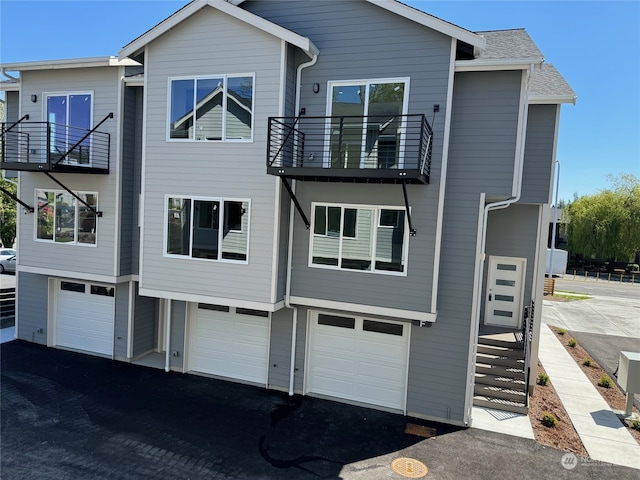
367,83
374,237
78,204
192,199
225,78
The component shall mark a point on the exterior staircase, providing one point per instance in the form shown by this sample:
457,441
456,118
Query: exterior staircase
500,379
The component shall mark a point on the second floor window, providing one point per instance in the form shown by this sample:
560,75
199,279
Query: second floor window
211,108
207,228
61,218
355,237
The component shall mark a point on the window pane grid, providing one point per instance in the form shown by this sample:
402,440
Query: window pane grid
61,218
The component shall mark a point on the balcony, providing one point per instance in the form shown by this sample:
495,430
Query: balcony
52,147
369,149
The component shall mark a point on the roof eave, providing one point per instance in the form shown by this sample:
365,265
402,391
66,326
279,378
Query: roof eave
497,64
430,21
68,63
552,99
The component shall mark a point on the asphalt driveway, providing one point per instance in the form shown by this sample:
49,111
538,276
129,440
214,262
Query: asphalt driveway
72,416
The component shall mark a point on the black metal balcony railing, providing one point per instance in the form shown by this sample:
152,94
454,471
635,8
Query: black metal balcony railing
385,148
49,147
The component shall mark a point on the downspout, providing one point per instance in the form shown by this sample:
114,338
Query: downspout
292,211
167,346
515,196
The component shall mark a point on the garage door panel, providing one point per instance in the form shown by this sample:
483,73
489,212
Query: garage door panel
84,321
366,363
229,345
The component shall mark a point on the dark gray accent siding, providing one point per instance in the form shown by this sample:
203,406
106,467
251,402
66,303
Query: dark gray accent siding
538,154
32,292
121,327
513,232
280,348
439,355
178,322
12,107
410,292
131,171
145,322
484,127
301,349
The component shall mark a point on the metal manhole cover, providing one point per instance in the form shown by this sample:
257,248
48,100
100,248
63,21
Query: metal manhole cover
409,467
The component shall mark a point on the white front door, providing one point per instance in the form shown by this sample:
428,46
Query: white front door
505,291
358,359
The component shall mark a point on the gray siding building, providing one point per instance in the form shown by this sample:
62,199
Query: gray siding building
345,204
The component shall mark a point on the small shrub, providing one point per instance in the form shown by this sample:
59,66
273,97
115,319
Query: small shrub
543,379
549,420
587,362
572,342
561,331
605,381
635,424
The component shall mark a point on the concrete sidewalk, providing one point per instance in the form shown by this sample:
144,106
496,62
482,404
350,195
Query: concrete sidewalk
601,432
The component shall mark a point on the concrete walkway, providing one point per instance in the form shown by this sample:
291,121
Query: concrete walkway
601,432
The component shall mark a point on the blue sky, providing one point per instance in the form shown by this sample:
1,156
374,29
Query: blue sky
594,44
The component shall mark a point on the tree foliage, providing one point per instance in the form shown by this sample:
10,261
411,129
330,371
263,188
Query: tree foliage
7,214
607,225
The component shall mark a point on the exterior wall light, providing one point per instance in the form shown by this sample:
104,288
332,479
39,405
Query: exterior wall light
34,98
316,87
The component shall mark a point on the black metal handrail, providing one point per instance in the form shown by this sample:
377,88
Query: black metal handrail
51,146
382,142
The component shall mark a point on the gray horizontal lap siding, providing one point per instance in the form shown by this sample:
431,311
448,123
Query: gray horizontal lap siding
348,36
513,232
178,327
121,327
438,366
210,169
538,154
359,41
411,292
103,82
128,208
144,324
32,307
280,348
485,122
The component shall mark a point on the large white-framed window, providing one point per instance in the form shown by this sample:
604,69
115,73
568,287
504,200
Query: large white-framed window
69,115
207,228
366,238
367,126
61,218
213,108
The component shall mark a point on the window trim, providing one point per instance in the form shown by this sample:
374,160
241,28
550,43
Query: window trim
374,238
225,77
194,198
78,205
367,82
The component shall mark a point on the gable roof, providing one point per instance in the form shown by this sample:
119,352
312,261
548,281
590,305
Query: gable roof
547,86
139,43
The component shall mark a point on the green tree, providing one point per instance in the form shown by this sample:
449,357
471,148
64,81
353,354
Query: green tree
606,225
7,214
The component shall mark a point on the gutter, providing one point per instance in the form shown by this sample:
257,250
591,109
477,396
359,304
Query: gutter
292,212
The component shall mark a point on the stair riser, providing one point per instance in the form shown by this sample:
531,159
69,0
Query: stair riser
500,352
500,372
512,397
478,402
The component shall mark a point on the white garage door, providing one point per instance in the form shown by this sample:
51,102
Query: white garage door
358,359
85,316
234,345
